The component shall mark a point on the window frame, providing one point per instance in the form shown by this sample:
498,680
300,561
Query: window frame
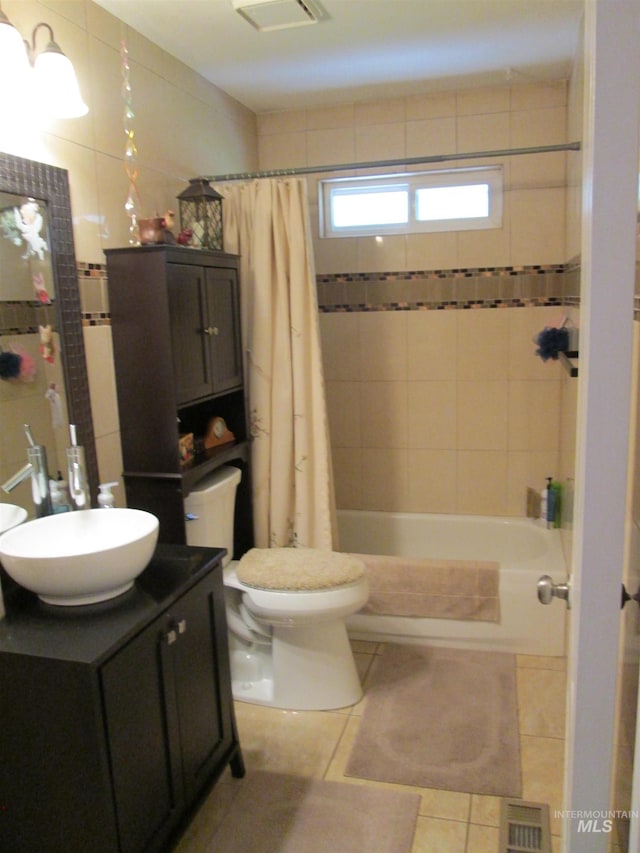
493,176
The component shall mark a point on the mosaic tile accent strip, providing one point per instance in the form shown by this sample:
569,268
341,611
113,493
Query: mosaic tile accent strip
422,290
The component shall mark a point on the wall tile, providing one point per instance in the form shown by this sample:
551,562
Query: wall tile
428,137
482,415
482,482
435,105
380,142
340,337
383,346
328,147
385,479
383,408
487,100
432,340
483,338
534,415
347,472
432,415
537,226
344,412
432,481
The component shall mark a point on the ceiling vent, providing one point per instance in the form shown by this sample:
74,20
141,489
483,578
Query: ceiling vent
267,15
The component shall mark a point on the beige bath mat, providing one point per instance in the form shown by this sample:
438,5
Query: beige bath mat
437,589
441,718
275,813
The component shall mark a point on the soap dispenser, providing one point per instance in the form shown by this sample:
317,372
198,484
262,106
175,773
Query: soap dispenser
105,496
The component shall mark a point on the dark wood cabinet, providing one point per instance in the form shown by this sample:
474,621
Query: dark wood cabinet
175,318
116,718
205,331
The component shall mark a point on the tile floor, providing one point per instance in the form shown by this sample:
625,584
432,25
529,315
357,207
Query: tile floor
318,743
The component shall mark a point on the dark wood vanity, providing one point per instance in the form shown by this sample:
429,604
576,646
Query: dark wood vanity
116,718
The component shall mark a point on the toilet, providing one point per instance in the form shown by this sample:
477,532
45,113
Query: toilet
286,609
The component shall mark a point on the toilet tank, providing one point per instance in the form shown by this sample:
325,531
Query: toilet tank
209,508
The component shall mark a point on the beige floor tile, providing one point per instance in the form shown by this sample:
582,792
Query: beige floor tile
541,662
318,744
541,702
296,742
439,836
482,839
201,829
485,810
449,805
542,773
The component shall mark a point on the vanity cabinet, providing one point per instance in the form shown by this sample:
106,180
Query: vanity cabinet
175,322
118,717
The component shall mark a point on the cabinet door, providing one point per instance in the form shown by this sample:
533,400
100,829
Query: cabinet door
224,328
205,734
190,332
143,744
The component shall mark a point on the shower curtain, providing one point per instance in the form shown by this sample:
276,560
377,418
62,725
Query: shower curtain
266,222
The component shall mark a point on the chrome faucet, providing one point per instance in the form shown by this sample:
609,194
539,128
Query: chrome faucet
37,469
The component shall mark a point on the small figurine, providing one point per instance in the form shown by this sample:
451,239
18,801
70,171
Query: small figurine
168,221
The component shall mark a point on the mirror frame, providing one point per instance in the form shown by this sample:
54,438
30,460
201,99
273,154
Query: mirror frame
51,184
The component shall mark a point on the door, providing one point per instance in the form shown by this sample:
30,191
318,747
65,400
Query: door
610,182
224,323
190,343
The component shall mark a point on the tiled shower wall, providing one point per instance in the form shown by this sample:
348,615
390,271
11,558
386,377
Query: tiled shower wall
437,400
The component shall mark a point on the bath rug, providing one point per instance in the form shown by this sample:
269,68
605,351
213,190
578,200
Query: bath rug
441,718
436,589
275,813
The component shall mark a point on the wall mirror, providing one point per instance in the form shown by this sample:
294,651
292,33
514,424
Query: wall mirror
44,376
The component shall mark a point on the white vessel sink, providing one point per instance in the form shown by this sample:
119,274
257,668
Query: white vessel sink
10,516
80,557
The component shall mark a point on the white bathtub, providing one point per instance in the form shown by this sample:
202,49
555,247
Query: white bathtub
524,550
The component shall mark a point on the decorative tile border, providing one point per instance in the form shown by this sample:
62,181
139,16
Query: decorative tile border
424,290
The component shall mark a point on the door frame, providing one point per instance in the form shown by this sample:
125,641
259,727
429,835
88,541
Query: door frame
610,196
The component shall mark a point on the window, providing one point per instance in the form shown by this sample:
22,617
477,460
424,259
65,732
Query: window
443,200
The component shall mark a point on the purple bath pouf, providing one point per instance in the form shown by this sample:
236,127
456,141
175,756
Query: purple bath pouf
551,342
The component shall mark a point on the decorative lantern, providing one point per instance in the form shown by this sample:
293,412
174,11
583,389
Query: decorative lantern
201,213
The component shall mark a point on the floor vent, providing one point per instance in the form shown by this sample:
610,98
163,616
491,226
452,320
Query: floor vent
524,827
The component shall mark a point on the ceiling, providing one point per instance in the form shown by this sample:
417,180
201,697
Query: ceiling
363,49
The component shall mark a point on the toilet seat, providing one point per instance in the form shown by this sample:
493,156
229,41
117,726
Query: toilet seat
298,569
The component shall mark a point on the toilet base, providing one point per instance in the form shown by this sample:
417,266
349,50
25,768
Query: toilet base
303,668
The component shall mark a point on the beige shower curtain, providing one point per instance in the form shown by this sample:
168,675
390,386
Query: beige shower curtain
266,222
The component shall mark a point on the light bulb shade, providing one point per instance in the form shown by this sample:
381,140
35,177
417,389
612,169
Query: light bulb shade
56,85
14,62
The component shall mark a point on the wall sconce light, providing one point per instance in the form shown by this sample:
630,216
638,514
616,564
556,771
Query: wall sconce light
49,74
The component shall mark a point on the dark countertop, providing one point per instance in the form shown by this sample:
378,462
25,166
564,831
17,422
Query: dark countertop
91,633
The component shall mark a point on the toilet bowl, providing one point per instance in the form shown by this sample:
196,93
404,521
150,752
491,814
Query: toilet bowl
286,610
289,647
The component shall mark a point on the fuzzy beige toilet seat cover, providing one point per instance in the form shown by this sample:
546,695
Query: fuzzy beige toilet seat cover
298,568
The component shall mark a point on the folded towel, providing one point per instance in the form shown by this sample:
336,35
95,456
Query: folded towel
441,589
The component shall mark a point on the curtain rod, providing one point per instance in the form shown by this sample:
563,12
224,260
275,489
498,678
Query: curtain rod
407,161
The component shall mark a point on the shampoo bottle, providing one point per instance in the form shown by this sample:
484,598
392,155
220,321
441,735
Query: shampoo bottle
555,505
544,500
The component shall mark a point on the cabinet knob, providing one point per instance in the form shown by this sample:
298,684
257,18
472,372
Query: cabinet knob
212,330
182,626
171,636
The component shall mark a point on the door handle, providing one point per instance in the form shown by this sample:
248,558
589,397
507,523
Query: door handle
548,590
